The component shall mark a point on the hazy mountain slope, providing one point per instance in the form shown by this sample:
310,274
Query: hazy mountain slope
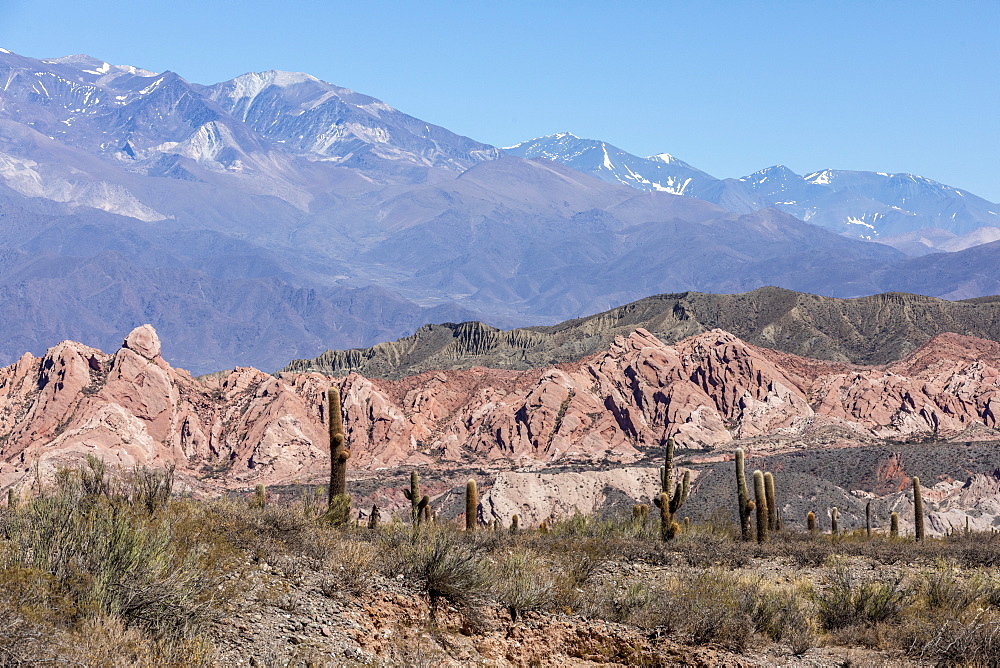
225,301
972,272
866,330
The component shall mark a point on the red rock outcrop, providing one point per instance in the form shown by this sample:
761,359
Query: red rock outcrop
245,426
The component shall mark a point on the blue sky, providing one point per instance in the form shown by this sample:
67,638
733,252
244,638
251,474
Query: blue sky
730,87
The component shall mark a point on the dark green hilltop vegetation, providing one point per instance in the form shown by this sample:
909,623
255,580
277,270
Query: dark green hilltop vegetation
867,330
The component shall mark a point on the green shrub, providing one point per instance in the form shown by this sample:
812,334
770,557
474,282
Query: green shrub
944,589
524,580
107,555
851,599
448,568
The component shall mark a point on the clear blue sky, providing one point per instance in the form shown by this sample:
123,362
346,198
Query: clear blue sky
730,87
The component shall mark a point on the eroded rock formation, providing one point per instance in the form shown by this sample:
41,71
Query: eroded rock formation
707,392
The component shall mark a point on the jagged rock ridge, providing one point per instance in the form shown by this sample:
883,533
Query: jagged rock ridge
866,330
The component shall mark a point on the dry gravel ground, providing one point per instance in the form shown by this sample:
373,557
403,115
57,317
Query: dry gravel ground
290,616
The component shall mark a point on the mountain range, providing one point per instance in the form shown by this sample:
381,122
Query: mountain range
274,216
867,205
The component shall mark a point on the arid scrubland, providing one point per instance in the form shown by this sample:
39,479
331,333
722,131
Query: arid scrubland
104,568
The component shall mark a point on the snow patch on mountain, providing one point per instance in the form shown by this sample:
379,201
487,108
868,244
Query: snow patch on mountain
21,175
822,178
25,177
207,144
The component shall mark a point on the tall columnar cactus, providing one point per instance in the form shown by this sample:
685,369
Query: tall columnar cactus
772,505
667,470
868,519
811,522
760,496
834,514
515,524
742,495
678,495
373,519
419,505
339,454
918,509
259,499
894,525
471,505
671,497
663,503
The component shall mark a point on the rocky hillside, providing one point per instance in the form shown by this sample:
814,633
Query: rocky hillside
710,392
867,330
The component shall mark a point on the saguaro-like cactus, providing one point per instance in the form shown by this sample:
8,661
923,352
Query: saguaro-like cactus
339,454
418,504
515,524
471,505
918,510
742,495
868,519
259,499
772,505
894,525
811,522
760,497
834,514
678,494
373,519
671,497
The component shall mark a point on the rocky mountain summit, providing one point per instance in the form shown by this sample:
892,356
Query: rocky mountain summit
710,392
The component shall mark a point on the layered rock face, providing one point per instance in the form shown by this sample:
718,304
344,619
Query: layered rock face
710,391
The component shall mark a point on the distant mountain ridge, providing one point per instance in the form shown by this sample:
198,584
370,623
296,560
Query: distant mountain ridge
275,216
868,330
657,173
869,205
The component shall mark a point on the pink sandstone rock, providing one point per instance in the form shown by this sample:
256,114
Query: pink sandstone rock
708,392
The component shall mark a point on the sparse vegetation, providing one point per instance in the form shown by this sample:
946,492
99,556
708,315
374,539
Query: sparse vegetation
104,559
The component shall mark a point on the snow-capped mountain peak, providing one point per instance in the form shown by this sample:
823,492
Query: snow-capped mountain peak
322,121
664,157
94,66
